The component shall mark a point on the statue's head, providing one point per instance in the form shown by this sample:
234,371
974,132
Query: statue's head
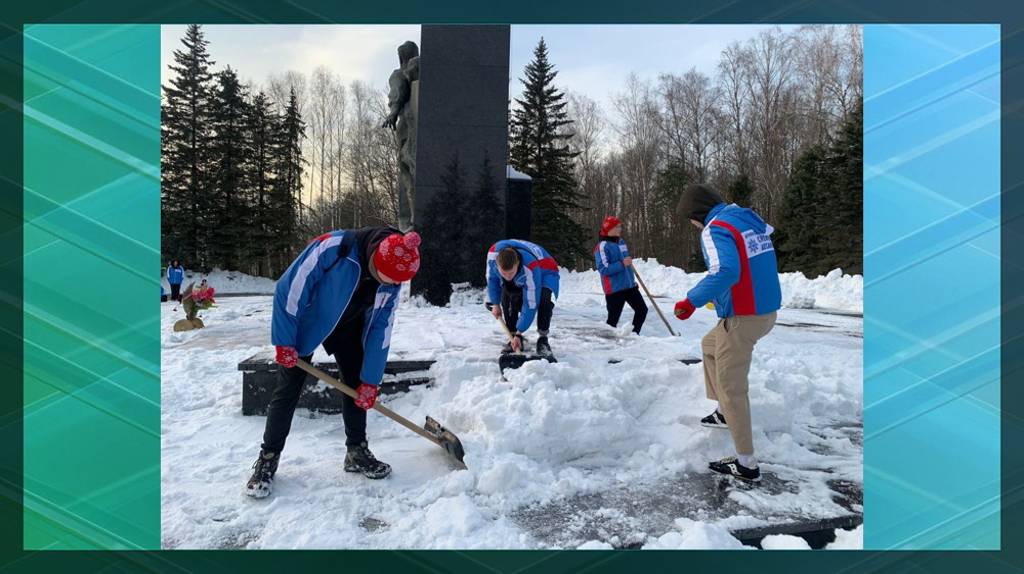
407,51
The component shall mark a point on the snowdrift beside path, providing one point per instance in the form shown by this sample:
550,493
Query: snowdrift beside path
229,282
834,291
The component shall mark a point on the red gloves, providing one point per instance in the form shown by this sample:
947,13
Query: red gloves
684,309
367,396
286,356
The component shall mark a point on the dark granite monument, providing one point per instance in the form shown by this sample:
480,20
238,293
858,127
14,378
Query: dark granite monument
463,103
462,127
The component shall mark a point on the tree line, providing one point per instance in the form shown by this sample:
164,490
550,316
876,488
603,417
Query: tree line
251,172
231,167
778,103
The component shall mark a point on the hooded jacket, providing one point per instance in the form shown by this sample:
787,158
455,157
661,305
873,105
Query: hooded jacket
316,289
608,255
537,270
743,277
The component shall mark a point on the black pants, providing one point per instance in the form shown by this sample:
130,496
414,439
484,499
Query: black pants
512,302
175,291
349,355
617,300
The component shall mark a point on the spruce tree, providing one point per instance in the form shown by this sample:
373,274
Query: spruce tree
262,132
798,236
288,163
483,224
443,227
820,220
846,238
185,152
227,219
740,191
539,132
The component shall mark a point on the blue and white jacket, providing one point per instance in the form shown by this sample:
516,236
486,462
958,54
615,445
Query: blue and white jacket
743,275
615,277
314,292
175,275
537,270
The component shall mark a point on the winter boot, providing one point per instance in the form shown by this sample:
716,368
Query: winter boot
715,420
360,459
506,349
543,348
731,466
261,483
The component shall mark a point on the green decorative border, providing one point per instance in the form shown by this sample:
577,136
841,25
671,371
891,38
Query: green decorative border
92,269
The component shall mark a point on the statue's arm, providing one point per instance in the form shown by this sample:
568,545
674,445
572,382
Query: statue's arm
398,95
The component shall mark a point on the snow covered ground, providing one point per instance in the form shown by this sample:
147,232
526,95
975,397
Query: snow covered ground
549,435
228,282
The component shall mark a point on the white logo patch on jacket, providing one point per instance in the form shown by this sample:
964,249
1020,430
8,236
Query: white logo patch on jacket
757,243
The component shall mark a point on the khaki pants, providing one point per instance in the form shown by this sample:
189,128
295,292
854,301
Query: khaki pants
728,349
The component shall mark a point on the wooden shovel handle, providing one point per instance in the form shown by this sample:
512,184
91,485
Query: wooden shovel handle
379,407
653,303
504,327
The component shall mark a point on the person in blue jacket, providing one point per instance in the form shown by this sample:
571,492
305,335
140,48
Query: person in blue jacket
743,283
616,269
341,292
522,279
175,275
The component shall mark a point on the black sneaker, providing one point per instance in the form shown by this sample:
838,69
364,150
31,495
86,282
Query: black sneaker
715,420
731,466
360,459
543,348
261,483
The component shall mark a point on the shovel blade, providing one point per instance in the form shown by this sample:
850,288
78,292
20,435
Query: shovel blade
516,360
449,442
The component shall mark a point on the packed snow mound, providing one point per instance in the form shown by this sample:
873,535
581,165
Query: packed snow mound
834,291
784,542
229,282
848,539
693,535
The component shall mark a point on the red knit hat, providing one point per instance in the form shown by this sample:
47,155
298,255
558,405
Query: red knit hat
398,256
610,223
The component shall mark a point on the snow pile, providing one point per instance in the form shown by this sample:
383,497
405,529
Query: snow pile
848,539
228,282
549,431
691,535
833,291
784,542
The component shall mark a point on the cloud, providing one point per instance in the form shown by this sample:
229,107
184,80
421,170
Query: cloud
353,52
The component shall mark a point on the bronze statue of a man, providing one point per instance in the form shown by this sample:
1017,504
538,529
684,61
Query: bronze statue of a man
402,119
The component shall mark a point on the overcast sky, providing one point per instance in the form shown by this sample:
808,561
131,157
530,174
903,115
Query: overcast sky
591,59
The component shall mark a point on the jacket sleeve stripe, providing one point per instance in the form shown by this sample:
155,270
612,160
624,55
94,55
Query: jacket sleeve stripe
709,246
604,255
298,284
531,290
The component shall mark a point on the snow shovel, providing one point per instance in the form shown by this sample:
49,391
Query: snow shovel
431,430
516,359
653,304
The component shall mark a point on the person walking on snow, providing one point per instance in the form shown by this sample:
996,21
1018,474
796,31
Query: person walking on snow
743,283
175,275
522,278
341,292
616,269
